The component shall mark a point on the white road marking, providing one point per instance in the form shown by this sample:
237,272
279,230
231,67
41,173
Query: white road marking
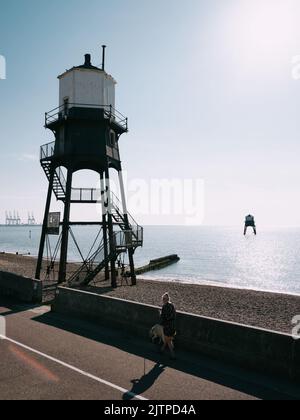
40,310
74,369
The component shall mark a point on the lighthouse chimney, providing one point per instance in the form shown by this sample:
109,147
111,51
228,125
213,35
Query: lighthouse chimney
103,57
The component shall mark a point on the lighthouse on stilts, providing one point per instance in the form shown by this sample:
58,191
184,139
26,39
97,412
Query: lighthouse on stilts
87,130
250,222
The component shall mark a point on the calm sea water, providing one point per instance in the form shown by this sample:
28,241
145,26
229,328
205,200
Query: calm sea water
209,255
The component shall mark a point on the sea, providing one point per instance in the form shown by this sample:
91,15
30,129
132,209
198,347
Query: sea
220,256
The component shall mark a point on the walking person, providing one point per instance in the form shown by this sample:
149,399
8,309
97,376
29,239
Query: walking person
168,321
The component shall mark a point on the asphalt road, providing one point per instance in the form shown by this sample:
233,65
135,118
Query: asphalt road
47,356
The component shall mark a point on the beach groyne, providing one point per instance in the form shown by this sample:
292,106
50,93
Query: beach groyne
158,264
21,288
257,349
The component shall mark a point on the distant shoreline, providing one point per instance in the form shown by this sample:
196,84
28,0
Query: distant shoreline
17,226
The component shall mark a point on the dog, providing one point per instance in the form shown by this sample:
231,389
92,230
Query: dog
157,332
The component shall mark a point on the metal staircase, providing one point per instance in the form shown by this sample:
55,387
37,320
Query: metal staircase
128,237
97,262
59,182
137,232
78,195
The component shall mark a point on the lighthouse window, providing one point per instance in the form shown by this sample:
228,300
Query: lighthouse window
66,106
112,139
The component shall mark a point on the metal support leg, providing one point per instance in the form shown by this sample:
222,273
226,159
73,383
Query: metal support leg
65,231
111,234
104,224
132,268
125,212
44,228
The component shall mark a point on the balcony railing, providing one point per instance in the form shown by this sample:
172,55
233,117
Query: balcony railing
137,231
88,195
47,150
63,111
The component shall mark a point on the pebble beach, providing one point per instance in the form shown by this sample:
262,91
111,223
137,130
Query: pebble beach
272,311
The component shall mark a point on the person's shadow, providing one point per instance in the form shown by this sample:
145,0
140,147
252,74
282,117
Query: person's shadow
146,382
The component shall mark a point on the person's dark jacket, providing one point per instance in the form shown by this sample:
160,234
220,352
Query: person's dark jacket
168,319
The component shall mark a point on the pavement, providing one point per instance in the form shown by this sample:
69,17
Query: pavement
46,356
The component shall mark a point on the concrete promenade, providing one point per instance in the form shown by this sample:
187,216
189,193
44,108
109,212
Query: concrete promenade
52,356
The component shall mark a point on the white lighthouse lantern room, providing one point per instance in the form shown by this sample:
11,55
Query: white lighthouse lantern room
87,85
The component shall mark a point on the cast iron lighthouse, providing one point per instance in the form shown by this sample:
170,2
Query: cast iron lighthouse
87,130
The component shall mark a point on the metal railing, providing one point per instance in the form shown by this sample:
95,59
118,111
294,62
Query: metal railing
62,179
123,240
138,236
116,204
47,150
137,231
63,111
86,195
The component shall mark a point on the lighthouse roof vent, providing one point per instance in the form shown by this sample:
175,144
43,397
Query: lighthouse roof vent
88,63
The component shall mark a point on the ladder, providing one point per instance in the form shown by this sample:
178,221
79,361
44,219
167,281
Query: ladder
59,182
137,232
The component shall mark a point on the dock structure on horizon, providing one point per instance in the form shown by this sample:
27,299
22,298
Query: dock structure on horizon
14,219
31,219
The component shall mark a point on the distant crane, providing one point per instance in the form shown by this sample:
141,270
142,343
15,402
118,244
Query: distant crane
31,219
12,219
7,219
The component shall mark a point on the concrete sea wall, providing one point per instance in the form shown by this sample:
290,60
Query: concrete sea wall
21,288
258,349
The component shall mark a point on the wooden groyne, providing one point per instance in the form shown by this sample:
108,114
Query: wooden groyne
158,264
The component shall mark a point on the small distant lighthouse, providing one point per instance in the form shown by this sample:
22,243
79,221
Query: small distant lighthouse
250,222
87,130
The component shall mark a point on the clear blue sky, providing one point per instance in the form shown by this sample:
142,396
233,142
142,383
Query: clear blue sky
207,86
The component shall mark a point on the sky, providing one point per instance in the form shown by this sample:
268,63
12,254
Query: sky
211,89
